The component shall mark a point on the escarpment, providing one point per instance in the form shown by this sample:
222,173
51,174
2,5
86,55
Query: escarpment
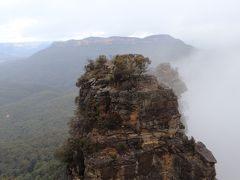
127,126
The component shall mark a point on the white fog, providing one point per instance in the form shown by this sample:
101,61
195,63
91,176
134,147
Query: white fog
211,104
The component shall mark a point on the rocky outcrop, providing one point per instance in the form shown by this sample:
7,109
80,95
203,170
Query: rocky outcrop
169,77
131,129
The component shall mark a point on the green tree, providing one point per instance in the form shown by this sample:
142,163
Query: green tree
127,66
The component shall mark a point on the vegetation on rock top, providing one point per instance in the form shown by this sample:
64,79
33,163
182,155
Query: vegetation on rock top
118,69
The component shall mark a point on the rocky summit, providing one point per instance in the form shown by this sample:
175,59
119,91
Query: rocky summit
127,126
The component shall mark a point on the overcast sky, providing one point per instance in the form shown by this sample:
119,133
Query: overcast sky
198,22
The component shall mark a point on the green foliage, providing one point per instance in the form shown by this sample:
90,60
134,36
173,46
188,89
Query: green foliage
96,69
98,64
101,61
21,160
31,134
129,65
120,68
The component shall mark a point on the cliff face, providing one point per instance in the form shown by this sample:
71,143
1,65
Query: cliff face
131,129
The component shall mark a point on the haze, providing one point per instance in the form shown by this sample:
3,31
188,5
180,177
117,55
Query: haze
211,105
212,76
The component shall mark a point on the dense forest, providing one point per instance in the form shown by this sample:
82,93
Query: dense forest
28,153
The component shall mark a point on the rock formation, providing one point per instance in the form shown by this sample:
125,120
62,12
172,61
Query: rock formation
169,77
127,126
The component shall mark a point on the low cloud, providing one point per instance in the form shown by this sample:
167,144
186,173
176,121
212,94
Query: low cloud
213,81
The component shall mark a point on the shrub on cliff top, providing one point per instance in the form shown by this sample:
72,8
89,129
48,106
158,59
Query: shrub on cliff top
120,68
94,69
129,65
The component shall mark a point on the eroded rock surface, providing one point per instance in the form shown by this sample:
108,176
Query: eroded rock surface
131,129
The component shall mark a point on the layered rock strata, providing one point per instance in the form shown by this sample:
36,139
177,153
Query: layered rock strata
133,131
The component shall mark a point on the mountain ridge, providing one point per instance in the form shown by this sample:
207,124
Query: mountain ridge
95,39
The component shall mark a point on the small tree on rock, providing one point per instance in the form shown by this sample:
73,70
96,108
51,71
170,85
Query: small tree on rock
127,66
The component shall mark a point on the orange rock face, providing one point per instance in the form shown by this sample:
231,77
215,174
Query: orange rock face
136,134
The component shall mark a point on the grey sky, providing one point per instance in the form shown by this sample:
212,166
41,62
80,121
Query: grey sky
199,23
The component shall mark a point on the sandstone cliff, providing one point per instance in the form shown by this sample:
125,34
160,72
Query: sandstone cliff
128,127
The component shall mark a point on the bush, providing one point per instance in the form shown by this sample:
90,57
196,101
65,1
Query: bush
101,61
126,66
120,68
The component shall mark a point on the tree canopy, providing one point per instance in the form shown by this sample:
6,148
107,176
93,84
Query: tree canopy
119,68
